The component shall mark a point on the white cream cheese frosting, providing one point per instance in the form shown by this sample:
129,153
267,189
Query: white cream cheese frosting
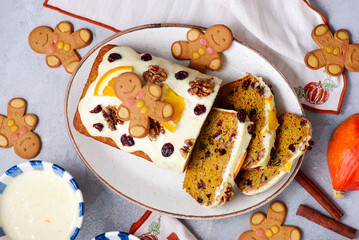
188,127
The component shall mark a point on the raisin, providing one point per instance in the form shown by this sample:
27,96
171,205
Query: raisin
292,147
181,75
219,123
98,126
146,57
250,129
222,151
232,136
311,142
241,115
309,148
114,57
260,90
97,109
208,154
303,122
167,149
249,182
199,109
245,84
199,200
216,150
219,132
253,85
209,195
127,140
201,185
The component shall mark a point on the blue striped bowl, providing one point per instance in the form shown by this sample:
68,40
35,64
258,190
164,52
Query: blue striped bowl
116,236
40,166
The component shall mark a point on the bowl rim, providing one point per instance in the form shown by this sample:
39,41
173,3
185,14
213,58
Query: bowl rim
114,234
176,215
39,165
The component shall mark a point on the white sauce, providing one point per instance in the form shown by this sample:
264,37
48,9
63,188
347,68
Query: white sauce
39,205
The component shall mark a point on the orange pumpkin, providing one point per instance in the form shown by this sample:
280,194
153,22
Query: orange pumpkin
343,156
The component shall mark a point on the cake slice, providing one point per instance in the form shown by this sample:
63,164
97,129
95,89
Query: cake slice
100,111
254,96
294,135
217,157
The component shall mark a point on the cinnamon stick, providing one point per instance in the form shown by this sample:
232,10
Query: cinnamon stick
326,222
318,195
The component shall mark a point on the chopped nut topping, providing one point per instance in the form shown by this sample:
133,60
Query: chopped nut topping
186,149
109,113
155,129
201,87
228,194
154,74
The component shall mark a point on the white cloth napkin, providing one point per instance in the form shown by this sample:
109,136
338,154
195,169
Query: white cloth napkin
153,226
279,30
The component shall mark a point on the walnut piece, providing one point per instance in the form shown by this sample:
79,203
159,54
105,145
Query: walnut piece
155,129
110,116
154,74
228,194
187,148
201,87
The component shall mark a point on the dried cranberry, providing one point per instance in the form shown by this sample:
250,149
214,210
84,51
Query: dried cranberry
146,57
303,122
199,109
209,195
167,149
201,185
181,75
241,115
114,57
232,136
292,147
208,154
98,126
219,132
260,90
97,109
219,123
245,84
127,140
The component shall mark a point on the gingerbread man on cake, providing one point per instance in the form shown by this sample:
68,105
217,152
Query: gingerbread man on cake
59,45
16,130
335,52
139,103
203,48
270,227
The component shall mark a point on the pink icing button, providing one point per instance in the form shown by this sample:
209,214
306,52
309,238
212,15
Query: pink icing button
341,58
52,48
203,41
210,50
55,38
130,102
23,130
260,233
14,137
140,95
344,47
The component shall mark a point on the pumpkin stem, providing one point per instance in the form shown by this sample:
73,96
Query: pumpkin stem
338,193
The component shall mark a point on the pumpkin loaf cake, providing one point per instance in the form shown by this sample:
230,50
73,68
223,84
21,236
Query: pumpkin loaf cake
217,157
254,96
294,135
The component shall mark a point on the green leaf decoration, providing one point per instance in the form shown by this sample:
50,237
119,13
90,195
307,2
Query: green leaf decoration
154,227
299,91
328,83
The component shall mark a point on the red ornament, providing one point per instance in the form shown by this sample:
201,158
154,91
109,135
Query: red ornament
148,236
315,94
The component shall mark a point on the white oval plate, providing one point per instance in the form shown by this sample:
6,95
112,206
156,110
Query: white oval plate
140,181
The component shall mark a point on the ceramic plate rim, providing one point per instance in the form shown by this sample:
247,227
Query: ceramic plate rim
184,216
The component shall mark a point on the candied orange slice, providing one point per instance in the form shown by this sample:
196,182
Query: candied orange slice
170,96
104,86
239,164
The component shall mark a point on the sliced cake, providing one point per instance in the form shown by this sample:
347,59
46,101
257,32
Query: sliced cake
217,157
254,96
294,135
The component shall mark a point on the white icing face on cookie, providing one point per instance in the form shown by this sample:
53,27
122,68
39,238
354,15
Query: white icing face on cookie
168,148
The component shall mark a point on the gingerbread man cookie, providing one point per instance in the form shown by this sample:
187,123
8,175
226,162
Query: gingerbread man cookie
16,130
335,52
270,227
139,103
59,45
203,48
